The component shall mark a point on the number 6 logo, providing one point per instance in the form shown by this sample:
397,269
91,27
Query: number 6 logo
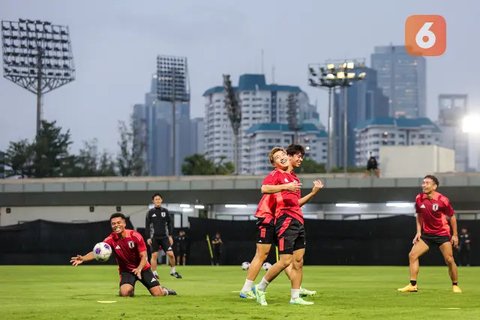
425,35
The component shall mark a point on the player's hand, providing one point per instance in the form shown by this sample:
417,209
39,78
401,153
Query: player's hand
317,185
293,186
149,242
138,273
75,261
416,238
454,241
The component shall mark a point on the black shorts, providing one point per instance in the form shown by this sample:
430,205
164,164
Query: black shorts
148,279
161,242
431,239
265,232
290,234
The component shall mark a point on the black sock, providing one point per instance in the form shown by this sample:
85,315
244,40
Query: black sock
413,282
454,283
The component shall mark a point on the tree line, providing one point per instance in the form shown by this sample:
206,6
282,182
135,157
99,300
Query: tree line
48,155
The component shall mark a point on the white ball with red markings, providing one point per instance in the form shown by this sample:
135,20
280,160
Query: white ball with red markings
102,251
245,265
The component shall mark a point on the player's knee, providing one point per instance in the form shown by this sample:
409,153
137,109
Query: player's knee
412,256
449,260
126,293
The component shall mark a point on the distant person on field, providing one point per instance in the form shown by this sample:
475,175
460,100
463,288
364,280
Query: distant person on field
181,247
372,167
464,247
217,244
435,217
131,255
159,231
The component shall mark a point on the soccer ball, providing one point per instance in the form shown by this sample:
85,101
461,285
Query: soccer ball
102,251
266,266
245,265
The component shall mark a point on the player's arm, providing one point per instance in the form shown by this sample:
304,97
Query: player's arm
317,185
79,259
169,222
453,225
274,188
143,261
148,232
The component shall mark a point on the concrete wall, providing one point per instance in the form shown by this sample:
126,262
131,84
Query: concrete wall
415,161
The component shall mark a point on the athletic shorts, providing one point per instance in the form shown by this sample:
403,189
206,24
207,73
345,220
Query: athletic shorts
265,232
431,239
148,279
161,242
290,234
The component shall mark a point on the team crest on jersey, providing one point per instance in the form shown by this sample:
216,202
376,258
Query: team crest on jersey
163,214
131,244
435,207
286,180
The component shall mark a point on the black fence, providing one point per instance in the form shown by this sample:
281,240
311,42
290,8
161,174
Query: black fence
385,241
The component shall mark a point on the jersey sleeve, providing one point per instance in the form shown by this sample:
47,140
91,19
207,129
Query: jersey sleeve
109,240
139,240
271,179
448,207
417,206
169,220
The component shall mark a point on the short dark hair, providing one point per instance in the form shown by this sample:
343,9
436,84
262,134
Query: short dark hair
433,178
156,194
118,215
293,149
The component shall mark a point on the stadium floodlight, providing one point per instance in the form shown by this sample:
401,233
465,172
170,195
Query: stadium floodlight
37,55
236,206
400,204
173,86
235,115
347,205
470,123
330,75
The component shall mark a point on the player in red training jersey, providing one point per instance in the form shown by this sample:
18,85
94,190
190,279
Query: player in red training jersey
131,255
435,216
289,225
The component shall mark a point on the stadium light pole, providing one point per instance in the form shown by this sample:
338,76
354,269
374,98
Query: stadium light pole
173,86
235,115
37,56
330,75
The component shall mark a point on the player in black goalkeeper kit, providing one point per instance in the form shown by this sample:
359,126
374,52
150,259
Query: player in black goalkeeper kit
159,231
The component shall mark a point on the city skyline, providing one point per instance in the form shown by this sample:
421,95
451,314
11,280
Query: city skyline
115,48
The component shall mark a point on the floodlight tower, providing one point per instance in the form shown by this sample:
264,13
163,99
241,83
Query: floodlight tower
173,86
235,115
330,75
37,56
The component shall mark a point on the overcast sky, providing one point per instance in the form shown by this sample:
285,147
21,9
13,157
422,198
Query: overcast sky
115,44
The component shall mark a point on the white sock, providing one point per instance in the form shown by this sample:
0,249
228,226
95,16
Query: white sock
172,270
263,284
247,286
295,293
155,273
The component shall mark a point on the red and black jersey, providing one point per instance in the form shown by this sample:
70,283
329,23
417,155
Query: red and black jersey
433,213
127,250
266,208
286,202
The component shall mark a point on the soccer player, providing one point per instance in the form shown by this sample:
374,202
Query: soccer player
266,228
159,231
289,228
181,243
435,216
131,255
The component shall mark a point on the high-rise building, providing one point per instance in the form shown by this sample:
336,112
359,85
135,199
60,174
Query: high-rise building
260,103
153,123
452,108
365,101
374,133
402,78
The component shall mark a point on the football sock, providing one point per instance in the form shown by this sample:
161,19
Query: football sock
454,283
413,282
155,273
247,286
295,293
263,284
172,270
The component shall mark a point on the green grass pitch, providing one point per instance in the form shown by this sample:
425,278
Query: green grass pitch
206,292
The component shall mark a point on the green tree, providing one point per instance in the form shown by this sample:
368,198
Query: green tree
89,162
310,166
130,160
224,168
51,155
197,164
19,159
